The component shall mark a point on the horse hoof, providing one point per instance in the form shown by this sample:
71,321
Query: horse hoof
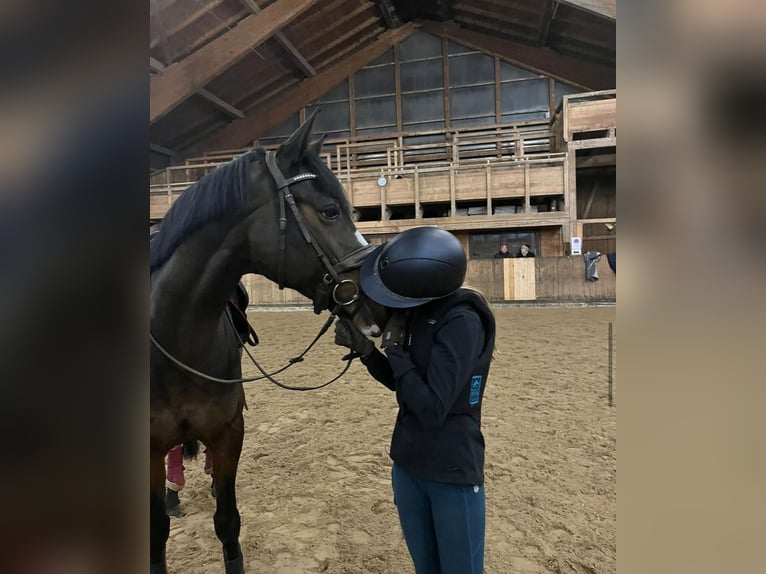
235,566
172,503
158,568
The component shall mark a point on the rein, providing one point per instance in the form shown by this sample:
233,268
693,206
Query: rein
264,375
331,278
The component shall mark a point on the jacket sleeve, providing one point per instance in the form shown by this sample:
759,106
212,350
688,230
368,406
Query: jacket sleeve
380,369
456,347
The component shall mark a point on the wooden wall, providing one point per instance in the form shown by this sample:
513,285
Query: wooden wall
539,279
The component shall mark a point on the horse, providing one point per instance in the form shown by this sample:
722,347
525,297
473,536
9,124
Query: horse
235,220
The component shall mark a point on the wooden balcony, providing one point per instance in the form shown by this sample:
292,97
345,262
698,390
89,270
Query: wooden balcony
589,116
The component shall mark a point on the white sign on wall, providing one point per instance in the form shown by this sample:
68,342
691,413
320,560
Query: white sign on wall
576,246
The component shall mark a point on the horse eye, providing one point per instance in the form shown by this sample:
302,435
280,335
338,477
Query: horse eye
331,212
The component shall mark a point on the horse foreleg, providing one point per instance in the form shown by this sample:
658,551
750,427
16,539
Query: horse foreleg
159,520
225,454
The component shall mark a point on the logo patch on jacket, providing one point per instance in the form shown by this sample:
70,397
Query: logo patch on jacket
473,398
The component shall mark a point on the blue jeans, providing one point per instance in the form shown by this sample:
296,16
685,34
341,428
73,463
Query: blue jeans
443,524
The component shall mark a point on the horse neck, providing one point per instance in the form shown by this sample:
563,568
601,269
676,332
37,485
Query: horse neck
190,292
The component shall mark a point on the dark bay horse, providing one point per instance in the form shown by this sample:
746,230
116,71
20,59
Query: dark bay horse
279,214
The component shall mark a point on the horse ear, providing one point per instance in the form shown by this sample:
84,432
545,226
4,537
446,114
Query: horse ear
315,146
293,149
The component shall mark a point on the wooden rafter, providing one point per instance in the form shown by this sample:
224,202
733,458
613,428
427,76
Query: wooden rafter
156,66
297,57
541,60
241,132
389,15
604,8
182,79
162,150
551,7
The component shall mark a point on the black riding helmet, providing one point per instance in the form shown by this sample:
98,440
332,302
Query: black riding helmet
416,266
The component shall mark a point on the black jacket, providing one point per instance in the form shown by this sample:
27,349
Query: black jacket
439,376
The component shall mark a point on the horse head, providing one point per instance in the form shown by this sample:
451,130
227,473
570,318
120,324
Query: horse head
319,248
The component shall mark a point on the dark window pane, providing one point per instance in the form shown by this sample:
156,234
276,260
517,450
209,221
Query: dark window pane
524,96
285,128
473,101
561,89
453,48
376,112
374,81
422,75
420,45
471,69
423,106
339,92
511,72
386,58
332,117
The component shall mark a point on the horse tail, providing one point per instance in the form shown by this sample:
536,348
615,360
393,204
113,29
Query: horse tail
191,449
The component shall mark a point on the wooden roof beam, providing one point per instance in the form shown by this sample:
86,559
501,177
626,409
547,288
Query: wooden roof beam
156,66
242,132
604,8
297,57
541,60
162,150
549,14
182,79
389,15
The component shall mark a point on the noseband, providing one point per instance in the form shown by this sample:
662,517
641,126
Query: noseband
331,281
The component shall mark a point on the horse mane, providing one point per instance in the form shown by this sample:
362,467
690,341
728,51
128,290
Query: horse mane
222,191
217,193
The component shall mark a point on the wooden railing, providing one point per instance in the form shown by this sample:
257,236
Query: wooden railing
473,164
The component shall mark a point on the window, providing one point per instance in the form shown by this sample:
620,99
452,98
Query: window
485,245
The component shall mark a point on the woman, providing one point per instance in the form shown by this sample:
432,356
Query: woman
438,346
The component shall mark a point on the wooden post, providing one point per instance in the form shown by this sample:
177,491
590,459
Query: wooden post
527,203
383,206
418,210
489,188
452,195
611,402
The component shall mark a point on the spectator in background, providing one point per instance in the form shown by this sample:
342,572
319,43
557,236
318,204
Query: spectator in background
503,252
525,251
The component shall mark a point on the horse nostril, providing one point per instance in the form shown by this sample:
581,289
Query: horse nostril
374,330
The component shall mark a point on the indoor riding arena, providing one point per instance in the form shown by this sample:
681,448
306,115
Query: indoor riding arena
492,119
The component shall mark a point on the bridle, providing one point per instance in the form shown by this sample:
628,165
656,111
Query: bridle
331,283
332,277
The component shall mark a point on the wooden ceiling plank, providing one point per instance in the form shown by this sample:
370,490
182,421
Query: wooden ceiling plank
604,8
182,79
285,43
541,60
156,66
361,41
498,29
497,14
337,25
240,132
190,47
350,34
503,6
183,23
